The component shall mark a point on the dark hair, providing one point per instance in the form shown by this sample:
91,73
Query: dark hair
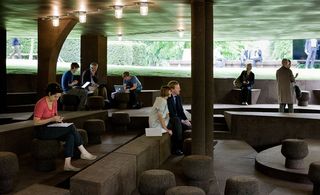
74,65
125,74
164,91
172,84
53,88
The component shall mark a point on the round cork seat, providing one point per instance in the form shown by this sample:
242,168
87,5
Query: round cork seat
156,182
70,102
9,168
187,134
197,167
304,99
122,100
95,103
84,135
295,150
187,146
120,121
44,153
198,170
185,190
94,128
314,176
242,185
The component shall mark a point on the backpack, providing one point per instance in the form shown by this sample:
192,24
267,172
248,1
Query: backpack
297,91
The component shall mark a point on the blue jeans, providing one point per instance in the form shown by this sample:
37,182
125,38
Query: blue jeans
68,134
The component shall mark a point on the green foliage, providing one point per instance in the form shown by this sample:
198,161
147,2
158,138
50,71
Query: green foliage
281,49
139,54
230,50
70,51
120,53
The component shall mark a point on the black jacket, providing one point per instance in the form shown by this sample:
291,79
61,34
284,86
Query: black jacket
86,77
176,111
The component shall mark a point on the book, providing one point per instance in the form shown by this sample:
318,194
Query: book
60,125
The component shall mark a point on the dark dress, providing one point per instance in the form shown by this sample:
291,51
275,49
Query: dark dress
245,93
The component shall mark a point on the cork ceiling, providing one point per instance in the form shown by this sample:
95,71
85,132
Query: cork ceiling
233,20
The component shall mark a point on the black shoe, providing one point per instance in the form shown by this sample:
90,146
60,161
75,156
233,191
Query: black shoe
178,152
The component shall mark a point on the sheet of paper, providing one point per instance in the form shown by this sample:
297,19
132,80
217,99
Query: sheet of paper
153,131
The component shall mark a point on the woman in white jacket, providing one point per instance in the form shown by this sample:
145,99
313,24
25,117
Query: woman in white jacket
159,115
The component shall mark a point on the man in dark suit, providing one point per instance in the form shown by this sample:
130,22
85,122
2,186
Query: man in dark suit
178,121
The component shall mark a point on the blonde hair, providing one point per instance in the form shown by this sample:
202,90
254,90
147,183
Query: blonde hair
172,84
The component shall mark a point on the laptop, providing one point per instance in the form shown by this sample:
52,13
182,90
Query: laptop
119,88
85,85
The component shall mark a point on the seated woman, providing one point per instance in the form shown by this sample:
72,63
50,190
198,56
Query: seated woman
45,113
247,80
159,115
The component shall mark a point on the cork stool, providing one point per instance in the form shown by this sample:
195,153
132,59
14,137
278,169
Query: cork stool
198,170
156,182
241,185
295,150
44,153
314,176
120,121
187,133
95,103
9,168
70,102
187,146
304,99
122,100
185,190
94,128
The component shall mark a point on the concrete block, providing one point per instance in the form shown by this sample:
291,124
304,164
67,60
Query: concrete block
114,174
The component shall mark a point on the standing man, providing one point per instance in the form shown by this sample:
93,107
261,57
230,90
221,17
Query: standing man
178,121
285,79
69,85
310,48
134,86
90,75
16,46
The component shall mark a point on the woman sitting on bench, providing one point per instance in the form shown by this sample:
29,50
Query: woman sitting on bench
46,113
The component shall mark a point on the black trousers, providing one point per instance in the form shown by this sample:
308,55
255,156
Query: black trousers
245,94
68,134
178,129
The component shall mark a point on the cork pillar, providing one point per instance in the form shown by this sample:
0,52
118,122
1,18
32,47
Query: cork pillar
202,76
3,70
50,41
94,49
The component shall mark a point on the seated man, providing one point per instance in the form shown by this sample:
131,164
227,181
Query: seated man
178,120
134,86
90,75
69,84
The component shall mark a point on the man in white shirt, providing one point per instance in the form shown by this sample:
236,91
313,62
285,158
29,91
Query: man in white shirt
310,48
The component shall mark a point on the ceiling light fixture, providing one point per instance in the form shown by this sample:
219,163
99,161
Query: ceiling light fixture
55,21
144,8
119,37
82,16
118,10
180,32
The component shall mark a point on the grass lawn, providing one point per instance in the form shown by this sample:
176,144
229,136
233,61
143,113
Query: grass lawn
114,70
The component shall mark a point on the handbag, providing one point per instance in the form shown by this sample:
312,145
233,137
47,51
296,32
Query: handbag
237,83
297,91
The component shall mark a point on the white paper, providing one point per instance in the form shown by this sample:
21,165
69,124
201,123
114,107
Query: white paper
60,125
154,131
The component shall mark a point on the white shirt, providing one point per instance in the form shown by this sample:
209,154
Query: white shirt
160,106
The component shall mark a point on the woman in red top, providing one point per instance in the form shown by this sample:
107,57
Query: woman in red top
45,113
